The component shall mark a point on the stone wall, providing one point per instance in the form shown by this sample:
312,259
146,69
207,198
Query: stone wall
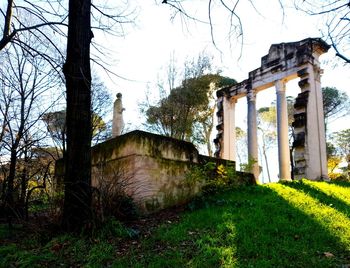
148,167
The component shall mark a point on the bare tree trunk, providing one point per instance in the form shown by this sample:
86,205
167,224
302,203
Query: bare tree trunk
266,161
207,135
6,36
9,200
291,162
77,202
24,182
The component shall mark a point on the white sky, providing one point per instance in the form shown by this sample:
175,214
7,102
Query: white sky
146,48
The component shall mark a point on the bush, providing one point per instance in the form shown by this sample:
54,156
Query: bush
111,199
214,177
343,177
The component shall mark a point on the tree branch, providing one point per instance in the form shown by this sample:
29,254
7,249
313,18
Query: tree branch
7,39
337,53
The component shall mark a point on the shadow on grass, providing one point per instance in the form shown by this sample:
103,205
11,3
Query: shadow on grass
256,226
273,233
345,184
322,197
249,227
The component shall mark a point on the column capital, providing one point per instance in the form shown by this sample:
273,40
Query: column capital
251,95
318,73
232,100
280,86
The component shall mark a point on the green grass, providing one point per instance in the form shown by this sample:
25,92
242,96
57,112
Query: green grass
299,224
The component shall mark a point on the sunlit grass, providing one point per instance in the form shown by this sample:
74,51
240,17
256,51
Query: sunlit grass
327,216
299,224
265,226
337,190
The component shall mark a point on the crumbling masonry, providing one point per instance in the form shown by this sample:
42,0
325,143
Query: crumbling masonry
284,62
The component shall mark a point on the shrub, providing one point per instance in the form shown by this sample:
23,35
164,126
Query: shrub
213,177
343,177
111,198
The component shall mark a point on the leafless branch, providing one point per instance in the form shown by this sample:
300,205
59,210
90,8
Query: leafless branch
335,14
6,39
176,5
338,54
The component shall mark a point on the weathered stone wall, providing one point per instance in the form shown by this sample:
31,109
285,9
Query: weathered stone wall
150,168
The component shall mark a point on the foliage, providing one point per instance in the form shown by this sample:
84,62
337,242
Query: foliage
63,250
185,108
336,103
333,163
248,167
342,141
100,254
101,103
71,21
27,164
213,177
112,228
241,144
186,112
267,128
330,148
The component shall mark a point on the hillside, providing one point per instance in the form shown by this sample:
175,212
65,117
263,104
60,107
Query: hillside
299,224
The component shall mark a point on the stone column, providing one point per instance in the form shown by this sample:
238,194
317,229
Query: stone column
253,133
309,143
323,173
282,131
229,139
118,122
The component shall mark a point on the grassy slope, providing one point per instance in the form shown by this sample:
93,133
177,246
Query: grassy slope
300,224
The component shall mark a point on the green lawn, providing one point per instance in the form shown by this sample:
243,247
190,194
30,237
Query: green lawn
299,224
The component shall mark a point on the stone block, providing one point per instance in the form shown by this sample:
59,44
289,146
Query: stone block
302,100
299,140
220,127
304,83
303,73
299,120
300,163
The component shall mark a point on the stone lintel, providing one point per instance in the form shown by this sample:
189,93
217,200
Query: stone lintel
285,61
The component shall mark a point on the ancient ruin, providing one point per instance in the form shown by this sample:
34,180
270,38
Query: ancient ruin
149,168
284,62
152,169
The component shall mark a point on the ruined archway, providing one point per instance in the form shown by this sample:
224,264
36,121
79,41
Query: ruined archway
284,62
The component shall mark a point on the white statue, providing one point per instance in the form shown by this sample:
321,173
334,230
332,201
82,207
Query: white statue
118,122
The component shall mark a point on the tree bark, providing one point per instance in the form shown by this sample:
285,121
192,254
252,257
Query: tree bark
77,201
